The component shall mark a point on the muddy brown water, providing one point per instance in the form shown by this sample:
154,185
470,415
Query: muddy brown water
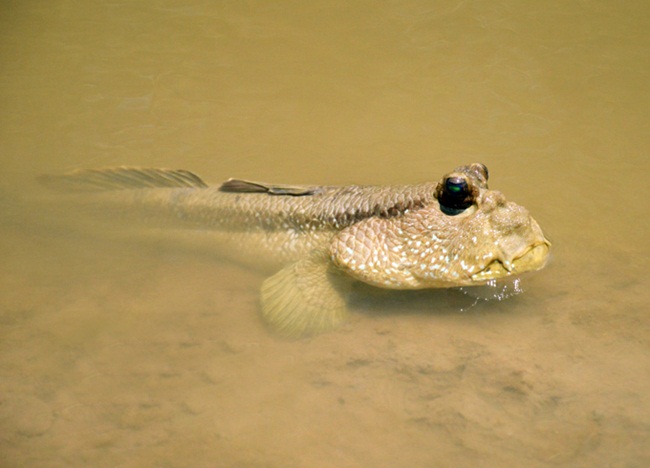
130,354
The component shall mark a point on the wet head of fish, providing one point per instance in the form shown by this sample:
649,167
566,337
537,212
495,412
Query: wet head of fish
468,235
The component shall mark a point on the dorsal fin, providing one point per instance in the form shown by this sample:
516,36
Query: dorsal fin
120,178
246,186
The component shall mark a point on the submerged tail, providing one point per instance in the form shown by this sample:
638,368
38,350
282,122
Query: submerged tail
120,178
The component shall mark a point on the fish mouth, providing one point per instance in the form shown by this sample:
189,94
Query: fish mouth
532,258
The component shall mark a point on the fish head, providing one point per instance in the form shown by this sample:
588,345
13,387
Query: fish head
468,235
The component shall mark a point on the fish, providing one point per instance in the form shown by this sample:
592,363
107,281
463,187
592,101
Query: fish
316,241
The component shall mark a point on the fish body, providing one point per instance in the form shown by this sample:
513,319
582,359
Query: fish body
454,232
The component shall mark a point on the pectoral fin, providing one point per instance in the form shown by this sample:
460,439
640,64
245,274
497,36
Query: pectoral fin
305,298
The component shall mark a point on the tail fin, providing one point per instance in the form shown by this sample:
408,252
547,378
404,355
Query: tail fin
120,178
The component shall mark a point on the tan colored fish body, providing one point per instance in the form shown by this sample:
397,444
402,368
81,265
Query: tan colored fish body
455,232
426,248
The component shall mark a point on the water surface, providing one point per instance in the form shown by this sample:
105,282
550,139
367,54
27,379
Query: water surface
137,354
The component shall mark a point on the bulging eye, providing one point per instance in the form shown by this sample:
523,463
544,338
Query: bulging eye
456,186
455,194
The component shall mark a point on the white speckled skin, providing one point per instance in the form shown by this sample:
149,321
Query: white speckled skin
390,236
453,233
426,248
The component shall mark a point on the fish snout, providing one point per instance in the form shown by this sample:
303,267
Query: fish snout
529,248
519,245
531,258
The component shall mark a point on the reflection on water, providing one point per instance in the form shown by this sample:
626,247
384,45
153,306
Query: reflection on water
117,353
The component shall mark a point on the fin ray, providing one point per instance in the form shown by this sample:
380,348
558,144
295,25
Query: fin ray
247,186
121,178
305,298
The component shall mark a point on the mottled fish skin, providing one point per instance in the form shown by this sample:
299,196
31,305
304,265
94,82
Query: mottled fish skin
257,229
455,232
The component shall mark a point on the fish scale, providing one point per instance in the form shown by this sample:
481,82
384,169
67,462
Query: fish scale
319,239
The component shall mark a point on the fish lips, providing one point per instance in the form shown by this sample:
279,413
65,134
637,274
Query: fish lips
533,257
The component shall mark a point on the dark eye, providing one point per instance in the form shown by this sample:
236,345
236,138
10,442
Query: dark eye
454,195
